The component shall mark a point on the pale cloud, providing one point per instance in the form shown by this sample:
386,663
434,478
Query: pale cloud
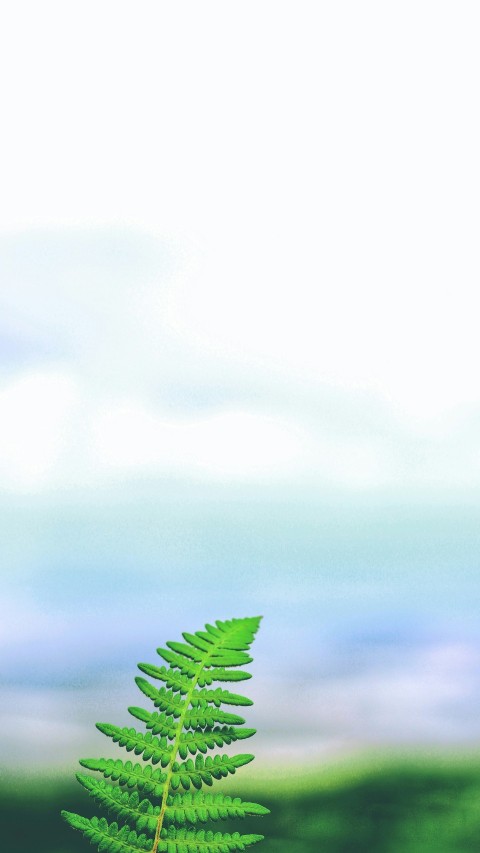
318,319
324,212
319,218
36,411
57,430
53,434
228,444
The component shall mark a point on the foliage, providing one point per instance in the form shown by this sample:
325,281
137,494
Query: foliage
375,803
160,804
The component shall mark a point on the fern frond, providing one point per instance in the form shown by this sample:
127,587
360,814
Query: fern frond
166,700
142,744
170,701
189,721
192,841
124,805
201,807
205,770
161,724
173,679
218,697
222,658
145,778
108,836
187,667
196,718
202,740
202,716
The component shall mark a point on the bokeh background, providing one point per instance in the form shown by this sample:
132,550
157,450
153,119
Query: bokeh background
239,376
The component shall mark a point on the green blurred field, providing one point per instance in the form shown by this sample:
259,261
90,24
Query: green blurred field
399,806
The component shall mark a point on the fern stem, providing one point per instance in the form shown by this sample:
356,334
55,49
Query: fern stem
176,743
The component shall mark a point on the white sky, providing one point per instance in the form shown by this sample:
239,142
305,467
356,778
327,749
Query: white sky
313,169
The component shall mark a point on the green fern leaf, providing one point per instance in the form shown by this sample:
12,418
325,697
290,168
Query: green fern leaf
125,805
203,716
142,744
173,679
218,697
188,667
109,837
145,778
193,841
202,740
205,770
166,700
201,807
157,723
157,809
172,703
198,718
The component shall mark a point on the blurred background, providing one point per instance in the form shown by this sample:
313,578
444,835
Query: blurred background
239,375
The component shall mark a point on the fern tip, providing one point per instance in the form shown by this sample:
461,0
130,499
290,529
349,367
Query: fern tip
190,715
